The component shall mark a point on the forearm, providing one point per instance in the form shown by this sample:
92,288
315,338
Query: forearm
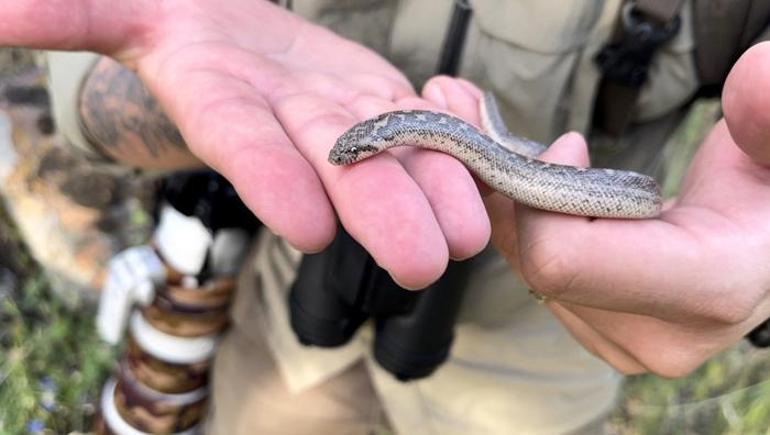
123,121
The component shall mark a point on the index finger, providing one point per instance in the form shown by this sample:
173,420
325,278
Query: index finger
379,204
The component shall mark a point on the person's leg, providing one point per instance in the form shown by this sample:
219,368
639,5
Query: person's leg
250,397
513,369
265,382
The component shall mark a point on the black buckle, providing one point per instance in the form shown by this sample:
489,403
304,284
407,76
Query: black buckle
627,61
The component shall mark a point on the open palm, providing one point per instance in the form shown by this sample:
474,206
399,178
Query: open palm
261,95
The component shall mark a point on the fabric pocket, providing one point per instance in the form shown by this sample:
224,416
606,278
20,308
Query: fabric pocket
529,53
526,52
366,21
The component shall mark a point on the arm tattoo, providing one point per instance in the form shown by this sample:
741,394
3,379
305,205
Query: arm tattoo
118,114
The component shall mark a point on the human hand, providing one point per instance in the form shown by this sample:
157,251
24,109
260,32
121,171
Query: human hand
261,95
662,295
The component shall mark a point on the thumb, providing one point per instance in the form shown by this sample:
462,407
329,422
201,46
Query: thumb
569,149
545,232
509,220
746,103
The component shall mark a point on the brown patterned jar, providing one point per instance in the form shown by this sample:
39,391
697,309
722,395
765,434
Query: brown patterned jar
110,420
215,294
163,376
185,321
152,411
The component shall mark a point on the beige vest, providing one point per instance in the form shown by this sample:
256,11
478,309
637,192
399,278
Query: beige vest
536,55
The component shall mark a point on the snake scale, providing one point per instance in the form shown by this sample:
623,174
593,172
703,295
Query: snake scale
507,163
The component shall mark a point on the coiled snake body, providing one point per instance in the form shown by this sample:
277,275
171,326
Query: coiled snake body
505,162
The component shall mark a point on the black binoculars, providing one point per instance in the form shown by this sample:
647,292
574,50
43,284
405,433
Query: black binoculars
339,289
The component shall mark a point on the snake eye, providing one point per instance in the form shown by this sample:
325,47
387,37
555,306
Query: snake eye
354,149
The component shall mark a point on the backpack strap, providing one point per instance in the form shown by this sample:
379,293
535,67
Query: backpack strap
454,40
644,26
723,30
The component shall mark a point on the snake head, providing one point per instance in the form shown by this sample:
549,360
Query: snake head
363,140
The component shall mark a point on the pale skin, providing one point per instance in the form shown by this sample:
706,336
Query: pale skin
264,104
661,295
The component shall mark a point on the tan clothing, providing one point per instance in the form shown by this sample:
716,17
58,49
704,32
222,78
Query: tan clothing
66,73
513,368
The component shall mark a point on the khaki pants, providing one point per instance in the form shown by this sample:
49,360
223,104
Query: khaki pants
250,397
513,369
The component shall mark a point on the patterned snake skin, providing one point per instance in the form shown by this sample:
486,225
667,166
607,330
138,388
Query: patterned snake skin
506,163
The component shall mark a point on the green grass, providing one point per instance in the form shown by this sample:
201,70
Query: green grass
51,362
729,394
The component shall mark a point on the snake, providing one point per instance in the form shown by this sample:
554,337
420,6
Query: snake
505,162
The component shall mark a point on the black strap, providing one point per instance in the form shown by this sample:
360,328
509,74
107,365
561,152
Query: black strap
644,27
454,40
